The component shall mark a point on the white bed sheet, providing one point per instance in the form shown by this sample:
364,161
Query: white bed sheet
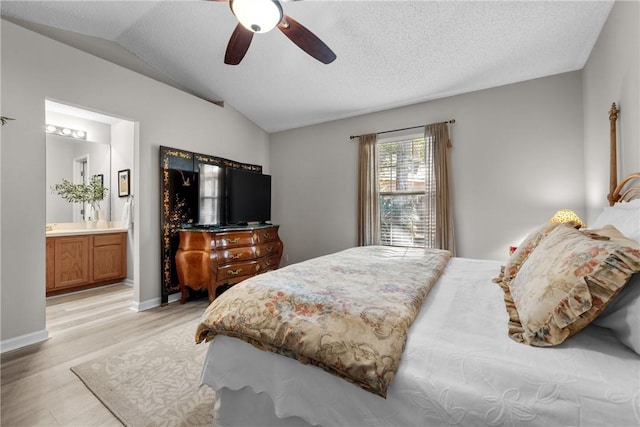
459,368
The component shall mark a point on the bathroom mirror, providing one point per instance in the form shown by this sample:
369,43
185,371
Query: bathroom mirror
75,160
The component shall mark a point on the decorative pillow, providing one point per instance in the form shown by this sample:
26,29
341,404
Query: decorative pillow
565,283
611,234
622,315
521,254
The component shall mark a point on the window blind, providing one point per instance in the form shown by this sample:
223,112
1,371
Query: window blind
407,192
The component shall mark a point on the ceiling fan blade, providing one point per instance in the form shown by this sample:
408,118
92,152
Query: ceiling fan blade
238,45
306,40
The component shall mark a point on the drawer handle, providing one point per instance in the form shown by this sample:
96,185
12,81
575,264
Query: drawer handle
236,256
235,272
270,248
233,241
268,262
267,235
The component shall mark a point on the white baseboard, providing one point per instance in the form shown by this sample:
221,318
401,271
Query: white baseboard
24,340
174,298
152,303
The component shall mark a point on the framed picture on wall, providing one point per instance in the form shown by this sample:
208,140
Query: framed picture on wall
124,186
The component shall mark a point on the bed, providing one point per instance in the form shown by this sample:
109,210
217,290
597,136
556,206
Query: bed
475,350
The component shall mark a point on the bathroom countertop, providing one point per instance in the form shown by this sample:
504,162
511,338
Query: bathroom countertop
84,231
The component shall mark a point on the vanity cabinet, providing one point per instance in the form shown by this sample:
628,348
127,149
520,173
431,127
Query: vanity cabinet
109,257
83,261
71,261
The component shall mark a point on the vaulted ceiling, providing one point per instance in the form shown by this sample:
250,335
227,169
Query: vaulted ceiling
389,53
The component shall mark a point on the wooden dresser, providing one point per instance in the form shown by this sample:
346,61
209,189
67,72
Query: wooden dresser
85,260
210,258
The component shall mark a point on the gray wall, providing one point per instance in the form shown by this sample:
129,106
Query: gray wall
520,152
611,75
35,68
517,157
122,148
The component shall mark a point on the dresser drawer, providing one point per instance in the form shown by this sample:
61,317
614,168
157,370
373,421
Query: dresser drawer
238,269
236,254
268,249
269,263
107,239
241,238
267,235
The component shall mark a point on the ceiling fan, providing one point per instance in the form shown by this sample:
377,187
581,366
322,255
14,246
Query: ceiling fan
261,16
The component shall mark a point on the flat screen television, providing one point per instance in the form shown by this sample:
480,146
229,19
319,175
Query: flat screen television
248,196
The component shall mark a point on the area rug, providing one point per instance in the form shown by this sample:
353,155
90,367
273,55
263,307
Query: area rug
154,383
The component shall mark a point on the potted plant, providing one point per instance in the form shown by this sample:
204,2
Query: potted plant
91,193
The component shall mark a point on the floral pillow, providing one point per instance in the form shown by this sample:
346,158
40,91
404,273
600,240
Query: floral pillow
564,284
522,253
611,234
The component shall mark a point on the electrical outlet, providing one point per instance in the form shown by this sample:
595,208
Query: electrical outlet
286,257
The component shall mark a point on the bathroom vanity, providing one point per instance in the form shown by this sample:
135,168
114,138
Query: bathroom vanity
80,259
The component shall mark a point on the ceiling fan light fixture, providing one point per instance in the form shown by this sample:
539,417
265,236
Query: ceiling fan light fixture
258,16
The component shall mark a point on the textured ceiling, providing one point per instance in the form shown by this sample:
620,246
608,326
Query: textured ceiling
389,53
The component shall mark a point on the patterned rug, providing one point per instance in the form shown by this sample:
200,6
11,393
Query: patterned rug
154,383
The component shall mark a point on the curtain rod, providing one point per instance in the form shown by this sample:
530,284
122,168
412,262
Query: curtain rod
452,121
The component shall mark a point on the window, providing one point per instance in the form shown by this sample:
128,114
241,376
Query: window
210,194
407,191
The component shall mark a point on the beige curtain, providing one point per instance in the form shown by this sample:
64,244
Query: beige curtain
368,194
437,135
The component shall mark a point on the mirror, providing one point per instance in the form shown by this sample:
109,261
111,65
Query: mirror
78,147
75,160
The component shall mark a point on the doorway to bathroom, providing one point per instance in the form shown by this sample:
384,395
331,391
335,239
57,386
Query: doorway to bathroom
81,146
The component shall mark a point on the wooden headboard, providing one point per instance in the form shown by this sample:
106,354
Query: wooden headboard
624,190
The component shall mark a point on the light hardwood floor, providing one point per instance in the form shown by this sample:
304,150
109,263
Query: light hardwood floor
38,387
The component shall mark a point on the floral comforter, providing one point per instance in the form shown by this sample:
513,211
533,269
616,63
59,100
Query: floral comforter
347,313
